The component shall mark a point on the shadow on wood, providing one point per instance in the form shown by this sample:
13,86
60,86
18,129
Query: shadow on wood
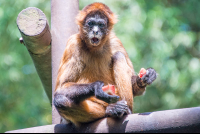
177,120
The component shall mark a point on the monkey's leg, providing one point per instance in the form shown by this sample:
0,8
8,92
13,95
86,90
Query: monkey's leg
122,74
83,112
71,103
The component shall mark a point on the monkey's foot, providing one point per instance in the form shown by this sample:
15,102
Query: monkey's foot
117,110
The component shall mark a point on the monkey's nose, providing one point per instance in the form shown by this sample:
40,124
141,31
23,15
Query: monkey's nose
95,32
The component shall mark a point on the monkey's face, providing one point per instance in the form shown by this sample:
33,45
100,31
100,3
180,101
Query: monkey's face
95,28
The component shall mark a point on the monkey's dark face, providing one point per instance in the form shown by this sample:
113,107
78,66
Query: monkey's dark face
95,28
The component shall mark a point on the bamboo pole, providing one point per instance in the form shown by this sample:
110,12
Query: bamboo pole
63,13
34,28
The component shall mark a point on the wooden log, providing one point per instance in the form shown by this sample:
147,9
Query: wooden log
34,28
185,120
63,13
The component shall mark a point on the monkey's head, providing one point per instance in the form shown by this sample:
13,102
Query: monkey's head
95,23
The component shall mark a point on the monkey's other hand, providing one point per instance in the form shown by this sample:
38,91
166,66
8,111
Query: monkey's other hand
117,110
148,78
100,94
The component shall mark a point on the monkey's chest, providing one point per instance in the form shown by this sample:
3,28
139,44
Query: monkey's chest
97,70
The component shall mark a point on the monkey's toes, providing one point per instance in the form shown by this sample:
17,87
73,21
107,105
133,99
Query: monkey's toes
118,109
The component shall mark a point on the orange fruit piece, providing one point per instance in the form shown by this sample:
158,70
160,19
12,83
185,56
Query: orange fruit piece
142,72
109,89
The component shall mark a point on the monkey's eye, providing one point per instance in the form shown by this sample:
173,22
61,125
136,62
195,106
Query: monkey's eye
91,24
101,25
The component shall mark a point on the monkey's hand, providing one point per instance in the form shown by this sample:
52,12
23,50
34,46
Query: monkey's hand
118,109
148,78
100,94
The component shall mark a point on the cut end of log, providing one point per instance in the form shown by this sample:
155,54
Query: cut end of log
34,28
36,37
31,21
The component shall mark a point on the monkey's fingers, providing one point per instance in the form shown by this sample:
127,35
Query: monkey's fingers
113,99
100,94
150,76
107,98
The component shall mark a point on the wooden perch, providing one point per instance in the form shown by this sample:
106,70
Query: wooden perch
34,28
177,120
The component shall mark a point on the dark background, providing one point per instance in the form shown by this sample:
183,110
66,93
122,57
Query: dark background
163,34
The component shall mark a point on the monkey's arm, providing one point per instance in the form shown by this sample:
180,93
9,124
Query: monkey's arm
139,84
122,75
125,76
76,93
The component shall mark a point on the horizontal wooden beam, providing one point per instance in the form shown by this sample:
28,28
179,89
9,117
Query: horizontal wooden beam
36,36
177,120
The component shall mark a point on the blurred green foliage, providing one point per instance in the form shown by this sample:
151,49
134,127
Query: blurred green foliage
23,102
161,34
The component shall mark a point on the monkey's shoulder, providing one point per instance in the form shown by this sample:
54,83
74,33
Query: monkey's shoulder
116,44
73,42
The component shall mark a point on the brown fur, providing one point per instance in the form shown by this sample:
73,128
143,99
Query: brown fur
82,65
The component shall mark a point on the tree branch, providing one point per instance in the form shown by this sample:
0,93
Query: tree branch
34,28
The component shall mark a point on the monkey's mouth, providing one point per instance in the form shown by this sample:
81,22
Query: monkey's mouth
95,40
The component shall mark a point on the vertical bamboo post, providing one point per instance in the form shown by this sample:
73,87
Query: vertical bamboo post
63,13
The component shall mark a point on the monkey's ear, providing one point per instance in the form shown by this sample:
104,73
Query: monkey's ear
80,18
113,19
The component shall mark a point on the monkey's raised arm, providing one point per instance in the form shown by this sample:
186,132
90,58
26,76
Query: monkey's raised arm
124,66
123,73
127,82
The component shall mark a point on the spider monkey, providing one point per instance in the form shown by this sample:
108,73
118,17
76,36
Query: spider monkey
95,57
